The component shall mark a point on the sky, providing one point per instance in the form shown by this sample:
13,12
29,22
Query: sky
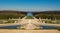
30,5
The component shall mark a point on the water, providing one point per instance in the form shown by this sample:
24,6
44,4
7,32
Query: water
49,27
15,27
29,14
10,27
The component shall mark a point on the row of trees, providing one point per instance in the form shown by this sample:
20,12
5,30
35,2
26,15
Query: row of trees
49,16
4,16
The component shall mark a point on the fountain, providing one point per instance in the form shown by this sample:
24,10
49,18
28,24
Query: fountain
30,26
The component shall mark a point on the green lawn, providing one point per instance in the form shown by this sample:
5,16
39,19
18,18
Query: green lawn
29,17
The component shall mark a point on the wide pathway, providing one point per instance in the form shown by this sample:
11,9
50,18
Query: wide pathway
28,31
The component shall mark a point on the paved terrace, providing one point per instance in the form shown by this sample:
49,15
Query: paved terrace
28,31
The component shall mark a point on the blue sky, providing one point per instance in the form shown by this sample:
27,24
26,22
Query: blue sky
30,5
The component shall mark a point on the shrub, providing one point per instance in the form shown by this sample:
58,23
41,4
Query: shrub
58,28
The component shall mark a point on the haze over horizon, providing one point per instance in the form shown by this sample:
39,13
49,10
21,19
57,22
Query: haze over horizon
30,5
